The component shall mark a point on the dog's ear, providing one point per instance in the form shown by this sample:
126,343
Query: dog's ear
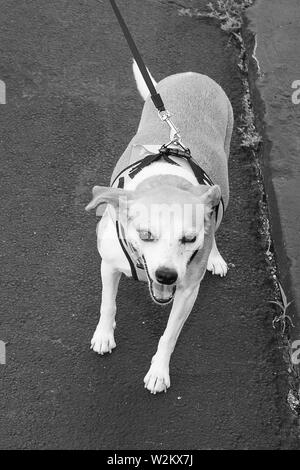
213,196
107,195
208,195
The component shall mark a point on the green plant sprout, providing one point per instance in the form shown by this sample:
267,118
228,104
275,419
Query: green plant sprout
283,305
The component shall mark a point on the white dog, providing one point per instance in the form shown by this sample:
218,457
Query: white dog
163,208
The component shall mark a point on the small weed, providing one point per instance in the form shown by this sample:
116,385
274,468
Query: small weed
250,136
228,12
293,400
283,305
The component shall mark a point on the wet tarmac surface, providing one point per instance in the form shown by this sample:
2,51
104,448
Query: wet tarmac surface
71,109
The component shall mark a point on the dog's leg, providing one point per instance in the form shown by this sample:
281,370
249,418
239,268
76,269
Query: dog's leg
103,339
216,263
158,378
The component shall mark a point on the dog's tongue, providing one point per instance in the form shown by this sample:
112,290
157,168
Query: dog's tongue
162,292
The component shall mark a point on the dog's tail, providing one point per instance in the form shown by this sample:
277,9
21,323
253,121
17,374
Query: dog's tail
140,82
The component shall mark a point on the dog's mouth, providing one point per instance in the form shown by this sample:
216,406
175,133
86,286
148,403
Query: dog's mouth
160,293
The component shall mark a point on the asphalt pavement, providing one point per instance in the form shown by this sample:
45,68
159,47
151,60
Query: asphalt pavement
71,109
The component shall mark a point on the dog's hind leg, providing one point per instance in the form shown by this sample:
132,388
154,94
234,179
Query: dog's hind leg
216,263
103,339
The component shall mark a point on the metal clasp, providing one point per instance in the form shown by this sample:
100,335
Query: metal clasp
175,138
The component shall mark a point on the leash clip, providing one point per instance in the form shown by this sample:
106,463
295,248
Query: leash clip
174,132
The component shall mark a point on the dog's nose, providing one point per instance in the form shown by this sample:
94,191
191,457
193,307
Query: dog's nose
166,275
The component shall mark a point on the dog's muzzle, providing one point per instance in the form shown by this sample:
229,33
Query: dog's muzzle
162,289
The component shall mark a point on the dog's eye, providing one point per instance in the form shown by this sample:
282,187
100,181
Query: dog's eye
146,236
188,239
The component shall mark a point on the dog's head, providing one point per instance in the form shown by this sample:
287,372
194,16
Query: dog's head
165,220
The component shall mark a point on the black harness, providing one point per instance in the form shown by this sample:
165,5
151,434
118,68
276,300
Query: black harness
135,263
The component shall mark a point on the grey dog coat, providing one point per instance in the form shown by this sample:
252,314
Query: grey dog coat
203,114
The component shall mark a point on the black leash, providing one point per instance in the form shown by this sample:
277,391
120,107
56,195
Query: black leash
164,115
156,98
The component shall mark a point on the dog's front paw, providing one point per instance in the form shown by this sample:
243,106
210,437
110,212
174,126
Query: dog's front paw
217,265
103,341
157,378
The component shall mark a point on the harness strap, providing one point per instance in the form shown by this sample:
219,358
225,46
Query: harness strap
131,264
164,153
148,160
193,256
